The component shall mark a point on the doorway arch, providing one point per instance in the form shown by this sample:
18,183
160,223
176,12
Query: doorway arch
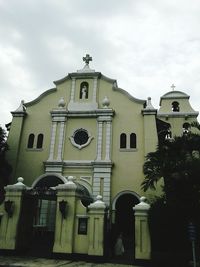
43,200
49,180
124,222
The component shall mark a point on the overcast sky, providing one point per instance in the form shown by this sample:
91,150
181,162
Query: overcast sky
145,44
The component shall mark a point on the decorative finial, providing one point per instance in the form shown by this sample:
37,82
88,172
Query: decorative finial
142,199
173,87
61,102
99,198
21,107
20,180
87,59
149,106
105,102
70,178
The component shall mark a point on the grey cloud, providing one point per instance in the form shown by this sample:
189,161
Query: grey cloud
145,45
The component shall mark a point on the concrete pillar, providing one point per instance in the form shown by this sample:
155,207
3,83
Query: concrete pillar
96,227
14,138
65,217
11,215
150,130
142,235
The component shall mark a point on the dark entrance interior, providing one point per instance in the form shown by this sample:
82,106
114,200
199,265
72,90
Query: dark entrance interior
125,223
39,216
43,227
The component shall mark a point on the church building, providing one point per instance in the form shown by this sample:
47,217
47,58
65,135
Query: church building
77,153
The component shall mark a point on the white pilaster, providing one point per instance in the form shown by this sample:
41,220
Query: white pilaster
96,184
95,90
53,139
108,139
100,139
106,188
73,90
102,171
60,142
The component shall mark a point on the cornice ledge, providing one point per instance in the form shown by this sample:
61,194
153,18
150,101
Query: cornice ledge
84,75
178,114
18,113
103,163
53,162
149,111
78,163
89,113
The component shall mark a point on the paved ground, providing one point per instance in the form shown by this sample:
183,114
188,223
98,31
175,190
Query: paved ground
13,261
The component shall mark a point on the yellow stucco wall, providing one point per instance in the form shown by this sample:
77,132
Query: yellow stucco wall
128,118
117,171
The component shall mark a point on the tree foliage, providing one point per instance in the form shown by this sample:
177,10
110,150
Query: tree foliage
5,168
177,161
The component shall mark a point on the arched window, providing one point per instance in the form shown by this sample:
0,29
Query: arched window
168,135
123,140
132,140
175,106
84,88
40,140
186,125
186,128
31,141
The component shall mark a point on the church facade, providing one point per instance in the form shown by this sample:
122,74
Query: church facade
77,153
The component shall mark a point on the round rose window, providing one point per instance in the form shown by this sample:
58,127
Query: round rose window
81,137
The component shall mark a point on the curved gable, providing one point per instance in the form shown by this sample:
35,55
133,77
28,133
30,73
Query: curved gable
40,97
122,91
174,95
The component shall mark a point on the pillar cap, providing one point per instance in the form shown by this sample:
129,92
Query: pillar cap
142,205
98,204
69,185
18,186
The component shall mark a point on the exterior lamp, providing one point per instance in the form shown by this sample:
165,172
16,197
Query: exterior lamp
9,207
63,207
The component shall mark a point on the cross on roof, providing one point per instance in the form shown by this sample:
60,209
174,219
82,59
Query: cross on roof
87,59
173,87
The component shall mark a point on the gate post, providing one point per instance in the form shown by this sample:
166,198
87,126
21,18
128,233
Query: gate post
142,235
65,217
11,216
96,227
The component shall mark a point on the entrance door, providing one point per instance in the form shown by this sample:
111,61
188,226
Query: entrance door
43,227
44,216
125,222
37,224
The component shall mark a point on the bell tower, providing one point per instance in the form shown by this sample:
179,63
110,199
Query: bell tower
176,110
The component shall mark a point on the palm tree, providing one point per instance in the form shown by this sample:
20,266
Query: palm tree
177,162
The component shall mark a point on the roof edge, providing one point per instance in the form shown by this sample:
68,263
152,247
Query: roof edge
132,98
36,100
